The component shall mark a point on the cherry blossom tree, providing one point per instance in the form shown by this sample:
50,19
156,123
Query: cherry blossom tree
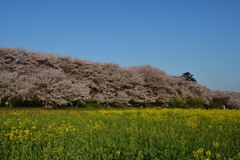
60,80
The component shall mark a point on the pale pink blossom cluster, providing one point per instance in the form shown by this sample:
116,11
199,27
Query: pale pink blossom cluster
59,80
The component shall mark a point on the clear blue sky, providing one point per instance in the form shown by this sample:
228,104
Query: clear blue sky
199,36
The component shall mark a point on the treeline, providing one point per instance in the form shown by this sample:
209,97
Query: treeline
33,78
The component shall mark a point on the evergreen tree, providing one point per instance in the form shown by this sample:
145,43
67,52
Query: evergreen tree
189,77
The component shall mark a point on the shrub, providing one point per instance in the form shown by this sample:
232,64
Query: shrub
194,102
219,102
176,103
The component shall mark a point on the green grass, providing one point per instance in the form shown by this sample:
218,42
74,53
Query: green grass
120,134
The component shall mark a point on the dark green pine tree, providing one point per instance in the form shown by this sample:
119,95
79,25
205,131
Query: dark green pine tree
189,77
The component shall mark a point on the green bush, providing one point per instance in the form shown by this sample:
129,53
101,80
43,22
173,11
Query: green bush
176,103
194,102
219,102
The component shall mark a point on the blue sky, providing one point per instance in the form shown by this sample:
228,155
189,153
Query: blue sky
198,36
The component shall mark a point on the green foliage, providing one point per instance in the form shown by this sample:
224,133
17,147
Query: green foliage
135,103
189,77
194,102
92,104
20,103
117,105
33,103
3,102
176,103
219,102
188,102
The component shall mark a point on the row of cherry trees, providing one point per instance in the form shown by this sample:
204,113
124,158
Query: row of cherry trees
61,80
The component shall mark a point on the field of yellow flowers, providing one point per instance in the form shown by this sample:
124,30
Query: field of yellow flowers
120,134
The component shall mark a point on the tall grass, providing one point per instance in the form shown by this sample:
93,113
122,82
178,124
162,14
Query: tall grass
120,134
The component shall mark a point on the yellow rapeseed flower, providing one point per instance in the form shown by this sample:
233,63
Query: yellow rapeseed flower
195,154
208,153
216,144
238,155
118,152
67,129
26,131
220,128
217,156
200,151
11,135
